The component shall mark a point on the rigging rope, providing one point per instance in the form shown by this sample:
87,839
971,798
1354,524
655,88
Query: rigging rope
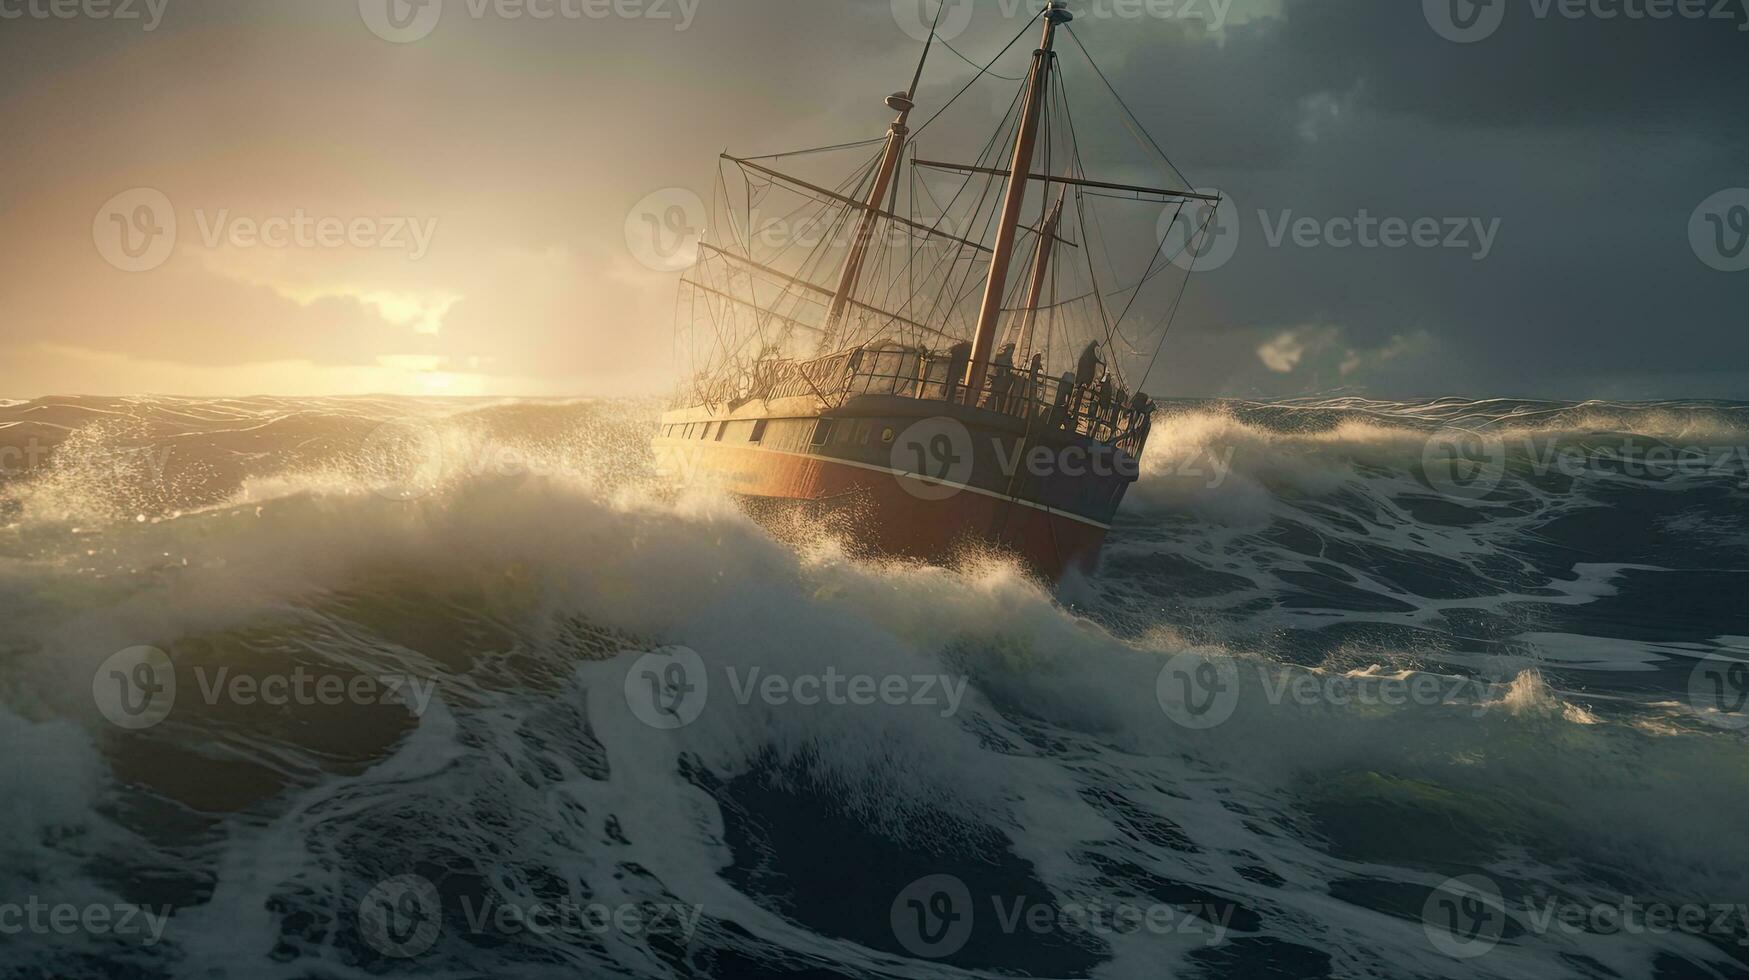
1133,124
984,71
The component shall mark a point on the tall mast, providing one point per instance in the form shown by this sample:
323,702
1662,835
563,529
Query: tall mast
903,103
1020,334
1024,142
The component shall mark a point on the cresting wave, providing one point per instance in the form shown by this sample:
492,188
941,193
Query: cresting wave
515,556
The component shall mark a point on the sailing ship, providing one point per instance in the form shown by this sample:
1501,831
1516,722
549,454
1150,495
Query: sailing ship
928,353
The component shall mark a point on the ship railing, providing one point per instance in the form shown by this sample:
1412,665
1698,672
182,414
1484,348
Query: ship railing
1097,412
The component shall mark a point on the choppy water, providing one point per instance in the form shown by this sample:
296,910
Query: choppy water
588,729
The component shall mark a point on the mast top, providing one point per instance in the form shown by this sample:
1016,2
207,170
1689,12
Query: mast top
1058,12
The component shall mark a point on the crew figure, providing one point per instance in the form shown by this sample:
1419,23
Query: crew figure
1063,409
1141,420
1001,377
959,356
1035,373
1086,370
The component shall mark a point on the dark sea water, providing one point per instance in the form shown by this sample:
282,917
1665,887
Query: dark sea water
368,688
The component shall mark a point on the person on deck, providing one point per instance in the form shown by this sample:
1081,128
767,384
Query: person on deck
1141,420
1101,404
1063,409
1001,377
1035,374
1086,370
958,357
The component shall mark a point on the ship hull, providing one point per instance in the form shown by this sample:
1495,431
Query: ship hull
903,478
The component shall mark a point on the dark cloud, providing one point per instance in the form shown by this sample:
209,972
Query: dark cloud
1591,141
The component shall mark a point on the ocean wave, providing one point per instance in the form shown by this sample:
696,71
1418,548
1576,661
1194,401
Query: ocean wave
529,589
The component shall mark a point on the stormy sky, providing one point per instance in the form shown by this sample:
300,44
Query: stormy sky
452,184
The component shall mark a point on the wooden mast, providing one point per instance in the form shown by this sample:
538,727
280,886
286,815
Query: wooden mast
1002,253
903,103
1041,263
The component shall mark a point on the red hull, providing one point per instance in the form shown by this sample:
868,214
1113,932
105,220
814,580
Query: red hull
894,513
